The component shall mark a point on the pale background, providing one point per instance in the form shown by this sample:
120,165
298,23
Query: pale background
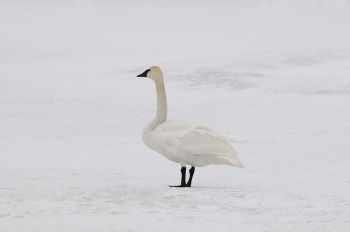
273,75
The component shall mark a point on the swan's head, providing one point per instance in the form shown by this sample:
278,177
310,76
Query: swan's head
154,72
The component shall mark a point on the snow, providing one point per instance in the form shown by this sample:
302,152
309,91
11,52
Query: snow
273,75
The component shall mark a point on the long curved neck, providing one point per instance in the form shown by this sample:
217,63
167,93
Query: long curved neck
162,110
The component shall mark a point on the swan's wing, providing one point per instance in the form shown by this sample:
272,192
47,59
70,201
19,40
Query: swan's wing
210,146
199,143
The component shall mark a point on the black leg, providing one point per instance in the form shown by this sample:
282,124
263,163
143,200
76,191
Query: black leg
191,175
183,178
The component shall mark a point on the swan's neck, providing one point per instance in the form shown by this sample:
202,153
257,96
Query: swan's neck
161,115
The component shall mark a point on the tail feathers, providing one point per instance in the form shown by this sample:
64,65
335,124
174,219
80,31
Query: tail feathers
238,163
223,159
232,161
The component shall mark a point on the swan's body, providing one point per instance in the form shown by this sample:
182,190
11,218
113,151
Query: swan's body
187,143
183,142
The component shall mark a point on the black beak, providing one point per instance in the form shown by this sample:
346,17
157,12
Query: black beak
144,74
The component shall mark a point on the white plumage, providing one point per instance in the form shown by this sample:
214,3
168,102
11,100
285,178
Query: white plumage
184,142
189,144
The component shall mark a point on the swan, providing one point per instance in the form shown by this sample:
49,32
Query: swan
184,142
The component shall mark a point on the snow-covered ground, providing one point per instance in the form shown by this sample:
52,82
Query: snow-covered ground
273,75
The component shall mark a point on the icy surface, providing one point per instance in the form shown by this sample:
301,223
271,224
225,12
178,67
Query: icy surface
273,75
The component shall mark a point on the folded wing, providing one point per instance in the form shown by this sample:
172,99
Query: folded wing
200,146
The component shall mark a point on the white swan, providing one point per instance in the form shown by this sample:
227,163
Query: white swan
182,142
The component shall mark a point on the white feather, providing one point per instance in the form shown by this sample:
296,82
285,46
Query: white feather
184,142
190,144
